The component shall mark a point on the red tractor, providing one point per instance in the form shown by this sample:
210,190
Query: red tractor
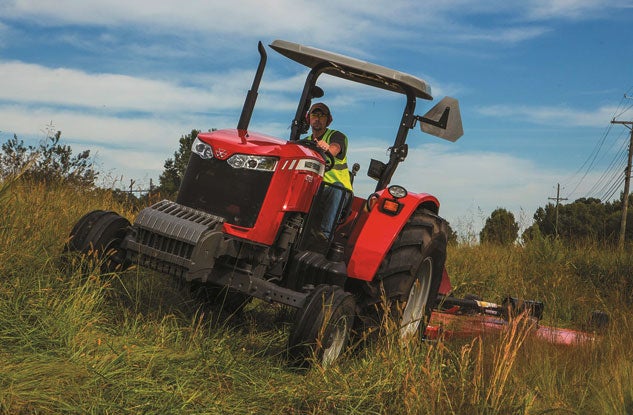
243,225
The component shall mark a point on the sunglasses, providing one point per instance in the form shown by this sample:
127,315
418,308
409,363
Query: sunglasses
318,115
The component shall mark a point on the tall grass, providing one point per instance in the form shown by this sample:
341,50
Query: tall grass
73,340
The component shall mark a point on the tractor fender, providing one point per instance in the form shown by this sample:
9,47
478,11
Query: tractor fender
376,231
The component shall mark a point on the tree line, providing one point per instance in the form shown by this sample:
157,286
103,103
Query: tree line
583,219
51,161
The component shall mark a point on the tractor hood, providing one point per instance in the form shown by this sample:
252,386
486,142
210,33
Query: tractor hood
354,69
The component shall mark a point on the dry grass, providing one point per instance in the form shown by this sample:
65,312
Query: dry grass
75,341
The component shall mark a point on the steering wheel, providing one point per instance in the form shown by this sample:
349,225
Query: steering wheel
327,157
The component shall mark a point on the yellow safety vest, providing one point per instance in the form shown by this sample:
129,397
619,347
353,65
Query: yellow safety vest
339,173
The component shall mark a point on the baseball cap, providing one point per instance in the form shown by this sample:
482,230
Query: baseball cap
321,107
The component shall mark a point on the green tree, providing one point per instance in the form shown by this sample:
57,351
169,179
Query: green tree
174,168
50,161
500,228
585,218
531,233
545,219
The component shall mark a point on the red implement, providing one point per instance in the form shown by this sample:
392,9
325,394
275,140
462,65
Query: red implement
453,323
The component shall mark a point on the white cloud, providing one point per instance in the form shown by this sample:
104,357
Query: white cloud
246,17
469,186
571,9
332,20
557,116
30,83
91,129
489,179
503,35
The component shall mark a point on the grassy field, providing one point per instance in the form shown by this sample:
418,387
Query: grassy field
75,341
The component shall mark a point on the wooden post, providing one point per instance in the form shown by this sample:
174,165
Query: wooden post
627,181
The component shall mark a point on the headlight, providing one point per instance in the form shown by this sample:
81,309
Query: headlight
397,192
245,161
202,149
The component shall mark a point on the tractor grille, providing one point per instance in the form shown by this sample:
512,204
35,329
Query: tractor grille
215,187
164,244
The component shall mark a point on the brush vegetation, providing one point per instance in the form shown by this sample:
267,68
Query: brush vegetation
74,340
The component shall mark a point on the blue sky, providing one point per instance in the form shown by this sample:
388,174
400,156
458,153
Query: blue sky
538,83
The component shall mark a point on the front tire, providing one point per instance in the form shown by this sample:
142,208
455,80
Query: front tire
100,233
322,326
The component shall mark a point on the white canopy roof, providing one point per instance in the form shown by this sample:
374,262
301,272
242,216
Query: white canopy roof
354,69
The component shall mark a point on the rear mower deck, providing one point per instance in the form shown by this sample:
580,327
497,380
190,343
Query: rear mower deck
454,322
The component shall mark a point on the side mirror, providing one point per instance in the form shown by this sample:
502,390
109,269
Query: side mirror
443,120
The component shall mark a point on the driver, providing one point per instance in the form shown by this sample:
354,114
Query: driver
338,177
332,141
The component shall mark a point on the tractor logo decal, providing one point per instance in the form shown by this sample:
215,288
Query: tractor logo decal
221,153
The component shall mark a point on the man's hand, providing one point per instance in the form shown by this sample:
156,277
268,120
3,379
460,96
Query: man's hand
323,145
333,148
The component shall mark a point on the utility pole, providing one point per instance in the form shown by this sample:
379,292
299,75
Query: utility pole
557,199
627,182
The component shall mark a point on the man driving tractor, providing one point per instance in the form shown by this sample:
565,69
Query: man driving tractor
334,142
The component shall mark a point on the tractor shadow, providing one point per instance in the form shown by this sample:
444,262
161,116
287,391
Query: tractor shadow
254,328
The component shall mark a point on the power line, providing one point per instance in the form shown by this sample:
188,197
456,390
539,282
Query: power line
589,163
627,108
607,188
606,191
615,187
612,171
591,159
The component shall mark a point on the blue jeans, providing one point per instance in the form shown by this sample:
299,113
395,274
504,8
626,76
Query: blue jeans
331,203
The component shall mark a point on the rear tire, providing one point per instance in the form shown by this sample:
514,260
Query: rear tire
410,275
322,326
100,233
